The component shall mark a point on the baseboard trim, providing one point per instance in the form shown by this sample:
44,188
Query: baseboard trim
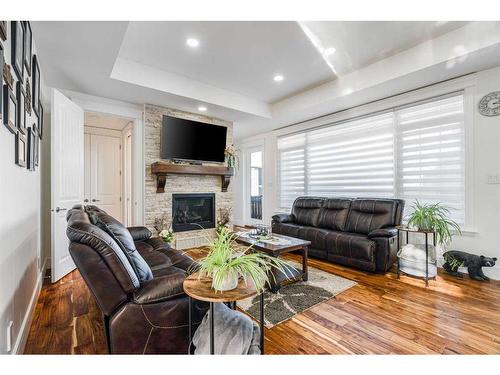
22,337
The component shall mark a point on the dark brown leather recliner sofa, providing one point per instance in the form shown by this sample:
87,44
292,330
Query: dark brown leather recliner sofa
136,280
356,232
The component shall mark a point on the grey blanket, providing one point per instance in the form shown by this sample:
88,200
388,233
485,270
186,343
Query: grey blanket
234,333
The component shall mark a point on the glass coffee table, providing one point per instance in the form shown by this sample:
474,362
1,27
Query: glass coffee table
276,246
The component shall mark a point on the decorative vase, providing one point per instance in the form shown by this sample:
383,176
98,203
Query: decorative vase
230,282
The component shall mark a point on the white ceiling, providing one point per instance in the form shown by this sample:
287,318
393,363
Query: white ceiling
242,57
98,120
231,72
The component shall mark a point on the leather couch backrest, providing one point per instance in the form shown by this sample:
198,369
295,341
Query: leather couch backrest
120,234
368,214
81,230
333,215
306,210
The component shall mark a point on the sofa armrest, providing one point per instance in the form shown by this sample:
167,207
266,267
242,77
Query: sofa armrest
139,233
383,232
160,289
283,218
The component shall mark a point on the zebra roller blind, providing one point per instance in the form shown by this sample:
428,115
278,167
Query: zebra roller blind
414,152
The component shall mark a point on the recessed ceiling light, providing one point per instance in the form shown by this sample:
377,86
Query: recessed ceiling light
192,42
278,78
329,51
202,108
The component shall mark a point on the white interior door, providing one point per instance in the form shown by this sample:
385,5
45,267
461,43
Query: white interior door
105,174
67,177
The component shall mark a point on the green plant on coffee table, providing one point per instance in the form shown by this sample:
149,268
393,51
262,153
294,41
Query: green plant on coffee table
433,217
226,261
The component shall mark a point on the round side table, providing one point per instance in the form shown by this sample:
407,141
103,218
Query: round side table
201,290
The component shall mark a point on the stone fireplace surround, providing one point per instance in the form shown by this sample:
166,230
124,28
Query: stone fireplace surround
159,204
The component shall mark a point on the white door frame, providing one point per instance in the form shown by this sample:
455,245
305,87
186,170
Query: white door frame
134,113
247,150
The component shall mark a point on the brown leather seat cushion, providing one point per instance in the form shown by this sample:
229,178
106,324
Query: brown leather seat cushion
350,245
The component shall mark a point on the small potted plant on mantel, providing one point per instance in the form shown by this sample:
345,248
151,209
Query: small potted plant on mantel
231,157
227,261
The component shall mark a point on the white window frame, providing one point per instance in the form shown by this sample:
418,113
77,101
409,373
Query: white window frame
467,84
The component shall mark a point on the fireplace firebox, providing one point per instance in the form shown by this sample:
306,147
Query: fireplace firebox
193,211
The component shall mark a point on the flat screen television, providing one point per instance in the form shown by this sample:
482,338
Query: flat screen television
192,140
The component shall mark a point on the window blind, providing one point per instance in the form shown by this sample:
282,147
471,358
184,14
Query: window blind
431,154
415,152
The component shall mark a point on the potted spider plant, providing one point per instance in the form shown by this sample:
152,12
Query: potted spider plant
434,217
226,262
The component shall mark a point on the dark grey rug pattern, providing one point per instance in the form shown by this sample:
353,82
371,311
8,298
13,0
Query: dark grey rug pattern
297,297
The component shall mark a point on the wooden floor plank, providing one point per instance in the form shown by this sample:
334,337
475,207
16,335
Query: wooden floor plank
380,315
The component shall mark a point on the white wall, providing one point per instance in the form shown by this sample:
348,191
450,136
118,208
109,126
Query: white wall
483,239
20,252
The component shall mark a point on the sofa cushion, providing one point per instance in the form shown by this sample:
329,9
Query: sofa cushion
305,210
315,235
367,215
123,238
333,214
350,245
287,229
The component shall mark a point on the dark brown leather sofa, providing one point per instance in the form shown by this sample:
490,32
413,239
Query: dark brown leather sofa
356,232
136,280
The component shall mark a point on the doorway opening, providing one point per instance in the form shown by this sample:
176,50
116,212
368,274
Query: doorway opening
108,164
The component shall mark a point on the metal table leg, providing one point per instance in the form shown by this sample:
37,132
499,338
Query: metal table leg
426,261
212,349
190,314
262,322
305,275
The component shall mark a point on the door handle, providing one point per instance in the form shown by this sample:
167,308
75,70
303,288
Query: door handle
95,200
85,200
59,209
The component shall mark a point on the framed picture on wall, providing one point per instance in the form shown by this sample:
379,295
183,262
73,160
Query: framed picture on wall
28,41
37,145
17,48
21,109
1,80
9,109
30,158
40,120
3,30
35,85
21,149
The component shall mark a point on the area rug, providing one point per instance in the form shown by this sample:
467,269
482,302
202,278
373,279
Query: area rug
295,298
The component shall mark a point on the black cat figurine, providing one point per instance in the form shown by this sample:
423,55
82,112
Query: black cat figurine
474,264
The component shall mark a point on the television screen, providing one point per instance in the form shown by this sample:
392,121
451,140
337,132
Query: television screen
192,140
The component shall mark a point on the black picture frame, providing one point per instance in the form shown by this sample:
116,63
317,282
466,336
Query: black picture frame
21,150
9,109
32,139
17,48
37,146
2,63
35,85
28,46
40,120
21,107
3,30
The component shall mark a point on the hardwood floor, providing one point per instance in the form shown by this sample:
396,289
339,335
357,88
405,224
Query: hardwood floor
380,315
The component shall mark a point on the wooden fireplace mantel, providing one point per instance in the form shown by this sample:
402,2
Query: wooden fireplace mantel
162,169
